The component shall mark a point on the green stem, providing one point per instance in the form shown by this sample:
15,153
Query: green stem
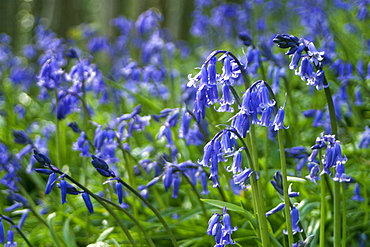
255,183
322,213
128,169
344,216
285,188
155,211
198,196
133,218
334,130
337,222
97,198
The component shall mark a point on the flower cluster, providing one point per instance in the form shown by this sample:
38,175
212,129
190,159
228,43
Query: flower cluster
332,158
314,75
220,227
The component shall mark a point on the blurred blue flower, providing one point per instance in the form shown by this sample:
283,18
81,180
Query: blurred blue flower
365,138
10,242
357,196
276,209
2,233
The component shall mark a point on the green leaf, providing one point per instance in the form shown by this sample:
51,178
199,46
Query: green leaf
98,244
232,207
69,235
105,234
50,222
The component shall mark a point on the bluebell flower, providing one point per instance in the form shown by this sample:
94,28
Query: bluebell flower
13,207
82,144
315,56
212,222
296,57
50,183
72,53
278,185
358,96
340,176
237,162
217,233
246,38
332,155
102,167
276,209
86,198
227,229
2,233
287,41
10,242
357,196
167,177
306,71
29,51
41,158
21,137
203,180
365,138
314,173
23,218
278,121
66,188
243,177
185,123
241,123
119,191
175,185
50,75
221,232
148,21
98,43
294,216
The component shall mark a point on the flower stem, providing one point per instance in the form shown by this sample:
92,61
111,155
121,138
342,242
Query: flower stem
111,212
18,230
334,130
344,216
258,197
322,213
285,188
155,211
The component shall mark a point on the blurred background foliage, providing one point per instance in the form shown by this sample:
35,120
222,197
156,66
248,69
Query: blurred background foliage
19,17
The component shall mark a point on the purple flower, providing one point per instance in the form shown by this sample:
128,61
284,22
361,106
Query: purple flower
340,176
365,138
278,185
227,229
51,181
294,216
86,198
315,56
314,172
10,242
237,162
212,222
306,71
357,196
276,209
102,167
41,158
2,234
21,137
243,177
278,121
